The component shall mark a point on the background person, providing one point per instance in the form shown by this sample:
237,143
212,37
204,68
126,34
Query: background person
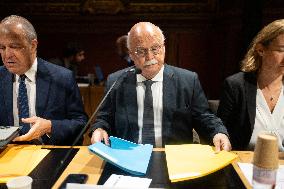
122,50
73,56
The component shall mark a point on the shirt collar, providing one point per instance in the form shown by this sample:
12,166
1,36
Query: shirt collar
31,73
159,77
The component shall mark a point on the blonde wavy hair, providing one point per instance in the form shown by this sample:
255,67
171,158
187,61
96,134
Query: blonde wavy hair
252,60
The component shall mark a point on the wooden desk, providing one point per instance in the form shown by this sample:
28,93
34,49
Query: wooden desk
88,163
47,171
83,162
245,157
91,96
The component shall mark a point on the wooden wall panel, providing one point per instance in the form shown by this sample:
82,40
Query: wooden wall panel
99,49
209,37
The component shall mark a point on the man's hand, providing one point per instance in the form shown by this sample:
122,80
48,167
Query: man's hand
39,127
221,142
100,135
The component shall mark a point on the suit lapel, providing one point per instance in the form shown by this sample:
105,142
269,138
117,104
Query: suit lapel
131,106
169,102
250,93
42,87
7,84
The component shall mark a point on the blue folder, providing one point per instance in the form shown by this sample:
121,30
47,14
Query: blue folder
131,157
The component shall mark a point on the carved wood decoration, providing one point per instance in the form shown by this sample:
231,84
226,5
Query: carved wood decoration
102,7
77,7
87,15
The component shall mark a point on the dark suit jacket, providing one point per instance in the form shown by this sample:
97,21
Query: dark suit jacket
183,103
237,108
57,99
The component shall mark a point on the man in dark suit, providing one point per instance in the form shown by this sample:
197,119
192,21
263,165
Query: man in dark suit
52,110
177,99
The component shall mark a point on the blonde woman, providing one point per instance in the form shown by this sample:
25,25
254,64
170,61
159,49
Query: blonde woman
252,101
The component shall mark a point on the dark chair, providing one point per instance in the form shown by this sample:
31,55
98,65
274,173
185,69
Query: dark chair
213,105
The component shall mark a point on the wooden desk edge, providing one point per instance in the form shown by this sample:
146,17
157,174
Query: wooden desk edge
84,155
81,159
84,162
69,168
241,175
242,157
245,157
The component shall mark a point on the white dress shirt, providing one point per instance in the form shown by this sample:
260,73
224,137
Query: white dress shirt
267,122
30,82
157,92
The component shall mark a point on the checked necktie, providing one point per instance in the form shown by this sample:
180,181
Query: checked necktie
23,105
148,135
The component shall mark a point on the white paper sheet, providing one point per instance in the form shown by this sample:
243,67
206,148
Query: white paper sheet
128,181
90,186
116,182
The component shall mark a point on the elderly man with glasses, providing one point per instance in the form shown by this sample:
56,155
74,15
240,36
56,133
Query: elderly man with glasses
161,105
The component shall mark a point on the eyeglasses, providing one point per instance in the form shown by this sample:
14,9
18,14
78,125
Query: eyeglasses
142,52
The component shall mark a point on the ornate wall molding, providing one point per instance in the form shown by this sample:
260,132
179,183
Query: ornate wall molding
102,7
108,7
97,16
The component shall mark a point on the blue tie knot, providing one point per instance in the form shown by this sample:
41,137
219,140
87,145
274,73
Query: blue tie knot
22,78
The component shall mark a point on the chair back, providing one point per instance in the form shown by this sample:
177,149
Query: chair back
213,105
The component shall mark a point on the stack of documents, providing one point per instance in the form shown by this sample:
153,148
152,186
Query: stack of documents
20,160
131,157
189,161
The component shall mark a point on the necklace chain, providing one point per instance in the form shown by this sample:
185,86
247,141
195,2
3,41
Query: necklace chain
271,98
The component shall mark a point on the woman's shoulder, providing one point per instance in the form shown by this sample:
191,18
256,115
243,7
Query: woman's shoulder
240,77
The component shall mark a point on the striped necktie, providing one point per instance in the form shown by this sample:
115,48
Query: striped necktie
148,135
23,104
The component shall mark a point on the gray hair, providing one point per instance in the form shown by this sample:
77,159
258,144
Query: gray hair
27,27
